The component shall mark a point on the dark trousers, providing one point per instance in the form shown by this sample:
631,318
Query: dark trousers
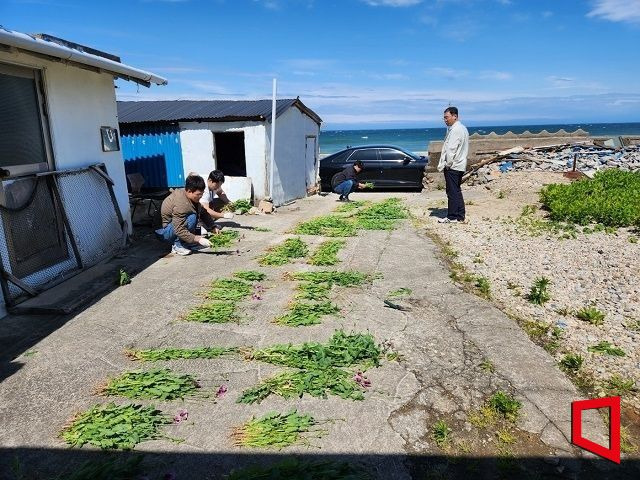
455,207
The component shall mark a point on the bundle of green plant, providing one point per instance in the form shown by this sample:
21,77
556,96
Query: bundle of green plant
303,314
275,429
109,469
223,239
317,383
123,278
115,426
390,209
250,275
374,223
159,383
440,433
328,226
619,386
349,278
159,354
351,206
239,206
539,293
281,254
572,362
261,229
591,315
342,350
327,253
607,348
213,312
229,289
368,185
611,198
483,286
296,469
505,404
313,291
399,293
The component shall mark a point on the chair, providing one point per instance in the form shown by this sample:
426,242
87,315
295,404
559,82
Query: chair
137,196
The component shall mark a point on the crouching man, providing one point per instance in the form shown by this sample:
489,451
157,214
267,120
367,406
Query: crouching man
214,198
180,213
346,181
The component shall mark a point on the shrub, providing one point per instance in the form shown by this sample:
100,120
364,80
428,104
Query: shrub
539,293
591,315
611,198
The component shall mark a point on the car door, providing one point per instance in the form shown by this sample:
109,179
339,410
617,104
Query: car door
369,158
397,168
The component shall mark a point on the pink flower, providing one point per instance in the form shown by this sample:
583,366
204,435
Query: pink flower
181,416
221,391
361,380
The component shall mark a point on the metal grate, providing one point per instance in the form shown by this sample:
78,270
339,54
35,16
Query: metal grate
38,250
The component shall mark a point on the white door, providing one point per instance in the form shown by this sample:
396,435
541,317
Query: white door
311,162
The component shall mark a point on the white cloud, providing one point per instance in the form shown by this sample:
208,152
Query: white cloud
494,75
616,10
447,72
392,3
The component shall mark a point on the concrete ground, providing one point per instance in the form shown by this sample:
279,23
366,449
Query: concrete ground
445,338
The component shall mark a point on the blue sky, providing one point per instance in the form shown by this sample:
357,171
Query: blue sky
371,63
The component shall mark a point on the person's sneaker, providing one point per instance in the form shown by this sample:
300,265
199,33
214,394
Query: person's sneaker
448,220
340,198
180,250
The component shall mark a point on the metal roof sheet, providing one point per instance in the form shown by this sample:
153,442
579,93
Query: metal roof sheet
206,110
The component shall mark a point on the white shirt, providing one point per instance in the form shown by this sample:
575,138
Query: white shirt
210,195
455,148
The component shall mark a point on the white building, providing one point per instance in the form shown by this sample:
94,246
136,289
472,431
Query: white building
63,195
233,136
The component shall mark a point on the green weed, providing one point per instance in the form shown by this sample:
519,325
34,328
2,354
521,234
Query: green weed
113,426
123,278
297,469
606,348
367,223
399,293
250,276
349,278
303,314
223,238
160,383
261,229
342,350
277,430
501,194
633,239
327,253
440,432
539,293
229,289
282,254
483,286
328,226
239,206
351,206
591,315
619,386
389,209
611,198
488,366
505,404
159,354
317,383
571,362
313,291
214,312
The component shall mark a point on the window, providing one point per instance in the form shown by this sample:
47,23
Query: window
366,154
230,155
389,154
23,147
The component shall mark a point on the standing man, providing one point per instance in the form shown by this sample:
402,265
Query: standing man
180,213
453,161
346,181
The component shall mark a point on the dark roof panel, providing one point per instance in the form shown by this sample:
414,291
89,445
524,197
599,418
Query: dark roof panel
206,110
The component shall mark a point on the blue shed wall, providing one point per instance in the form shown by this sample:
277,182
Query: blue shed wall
156,153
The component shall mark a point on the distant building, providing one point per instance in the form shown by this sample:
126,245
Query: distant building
165,140
64,204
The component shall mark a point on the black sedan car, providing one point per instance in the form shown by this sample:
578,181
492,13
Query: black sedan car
386,166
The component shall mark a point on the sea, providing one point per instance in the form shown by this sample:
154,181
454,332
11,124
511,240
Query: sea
417,139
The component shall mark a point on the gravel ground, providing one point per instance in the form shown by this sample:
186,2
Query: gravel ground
594,269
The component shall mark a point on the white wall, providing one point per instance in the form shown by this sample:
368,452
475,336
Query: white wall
198,153
292,127
79,102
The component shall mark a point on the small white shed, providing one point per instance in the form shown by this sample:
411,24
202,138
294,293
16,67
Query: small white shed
233,136
64,204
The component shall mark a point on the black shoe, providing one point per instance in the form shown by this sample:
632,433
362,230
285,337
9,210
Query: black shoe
341,198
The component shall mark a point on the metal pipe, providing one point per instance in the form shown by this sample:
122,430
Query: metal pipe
273,139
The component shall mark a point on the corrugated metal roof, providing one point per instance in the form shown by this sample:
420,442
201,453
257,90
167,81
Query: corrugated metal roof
206,110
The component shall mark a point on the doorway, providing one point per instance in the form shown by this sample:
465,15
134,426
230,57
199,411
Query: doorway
230,154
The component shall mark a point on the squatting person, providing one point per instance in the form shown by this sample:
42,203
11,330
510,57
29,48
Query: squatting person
346,181
453,161
214,198
180,213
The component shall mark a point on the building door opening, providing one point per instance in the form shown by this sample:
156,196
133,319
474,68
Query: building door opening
230,155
